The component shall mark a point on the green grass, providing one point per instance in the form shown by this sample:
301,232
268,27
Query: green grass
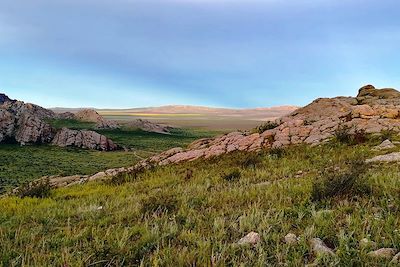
162,219
155,142
21,164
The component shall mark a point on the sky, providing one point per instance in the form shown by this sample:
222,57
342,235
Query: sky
221,53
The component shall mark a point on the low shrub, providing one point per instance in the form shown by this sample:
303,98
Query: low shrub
123,178
250,160
277,152
387,134
343,135
231,176
188,174
333,182
359,136
265,126
163,203
35,189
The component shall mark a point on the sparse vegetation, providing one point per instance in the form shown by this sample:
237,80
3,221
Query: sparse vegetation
26,163
343,134
336,183
161,218
35,189
232,175
265,126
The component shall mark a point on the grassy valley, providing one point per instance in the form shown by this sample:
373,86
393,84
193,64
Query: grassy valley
25,163
170,216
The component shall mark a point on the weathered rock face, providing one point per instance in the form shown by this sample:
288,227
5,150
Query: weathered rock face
149,126
26,123
32,129
83,139
372,110
66,116
4,98
90,115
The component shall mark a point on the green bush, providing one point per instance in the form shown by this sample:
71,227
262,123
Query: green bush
333,182
265,126
37,189
123,178
277,152
250,160
343,135
163,203
231,176
387,134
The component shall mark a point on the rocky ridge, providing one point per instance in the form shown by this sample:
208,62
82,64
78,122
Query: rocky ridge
312,124
90,115
25,123
372,111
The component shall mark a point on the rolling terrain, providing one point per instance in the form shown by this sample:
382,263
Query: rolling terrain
317,187
197,116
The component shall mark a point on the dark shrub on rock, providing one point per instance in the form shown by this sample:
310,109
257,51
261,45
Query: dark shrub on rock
37,189
334,182
231,176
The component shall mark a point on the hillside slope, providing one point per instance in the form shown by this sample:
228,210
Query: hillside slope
196,213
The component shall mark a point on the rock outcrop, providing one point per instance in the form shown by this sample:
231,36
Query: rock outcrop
372,111
149,126
83,139
313,124
90,115
5,98
26,123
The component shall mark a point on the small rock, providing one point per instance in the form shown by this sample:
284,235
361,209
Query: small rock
396,259
383,253
252,238
291,239
387,144
392,157
365,243
320,248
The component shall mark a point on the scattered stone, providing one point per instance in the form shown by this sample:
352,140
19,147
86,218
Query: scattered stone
291,239
387,144
320,248
366,243
252,238
396,259
392,157
383,253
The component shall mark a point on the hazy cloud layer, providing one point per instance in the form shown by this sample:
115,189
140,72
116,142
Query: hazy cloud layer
225,53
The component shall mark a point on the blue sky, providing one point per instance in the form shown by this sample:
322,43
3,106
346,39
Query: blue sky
230,53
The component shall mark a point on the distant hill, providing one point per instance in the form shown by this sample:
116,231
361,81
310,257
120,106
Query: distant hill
261,114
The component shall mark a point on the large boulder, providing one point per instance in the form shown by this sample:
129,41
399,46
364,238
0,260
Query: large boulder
149,126
91,115
32,129
84,139
24,122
